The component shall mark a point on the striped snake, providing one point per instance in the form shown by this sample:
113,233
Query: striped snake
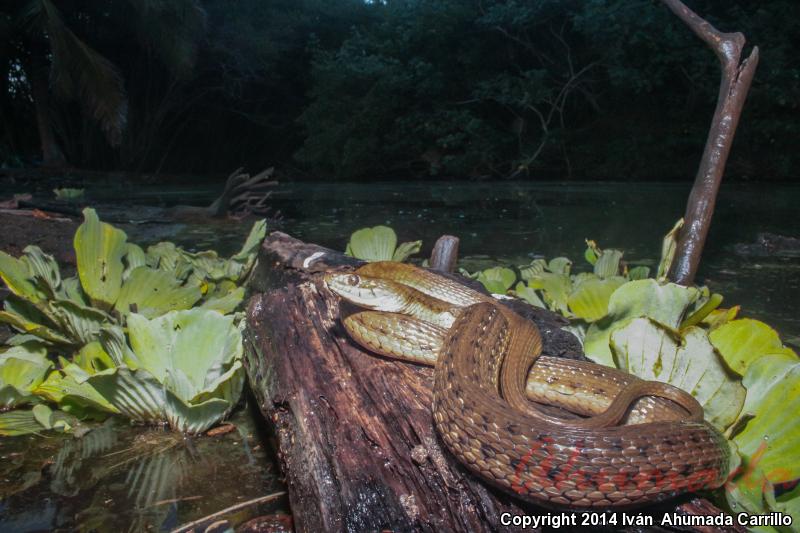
639,442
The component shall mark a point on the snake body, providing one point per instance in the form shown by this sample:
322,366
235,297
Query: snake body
485,380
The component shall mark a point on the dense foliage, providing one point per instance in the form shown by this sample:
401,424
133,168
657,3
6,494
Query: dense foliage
357,90
150,335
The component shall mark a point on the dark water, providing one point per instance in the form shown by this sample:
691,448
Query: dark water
133,479
510,223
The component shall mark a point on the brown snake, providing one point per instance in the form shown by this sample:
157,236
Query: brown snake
485,378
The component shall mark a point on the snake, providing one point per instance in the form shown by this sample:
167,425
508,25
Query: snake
638,442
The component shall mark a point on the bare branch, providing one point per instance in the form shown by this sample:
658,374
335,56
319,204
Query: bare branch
737,75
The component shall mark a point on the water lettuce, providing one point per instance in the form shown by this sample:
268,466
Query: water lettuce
184,368
150,335
650,350
380,244
22,369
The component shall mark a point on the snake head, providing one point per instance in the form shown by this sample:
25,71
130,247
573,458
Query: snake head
364,291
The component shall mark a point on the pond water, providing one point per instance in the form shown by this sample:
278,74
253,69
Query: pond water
121,478
513,222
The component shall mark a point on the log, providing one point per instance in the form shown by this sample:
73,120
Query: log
354,431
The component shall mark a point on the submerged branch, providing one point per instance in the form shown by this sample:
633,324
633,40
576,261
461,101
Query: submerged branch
241,505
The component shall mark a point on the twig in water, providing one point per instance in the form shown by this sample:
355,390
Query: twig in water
256,501
175,500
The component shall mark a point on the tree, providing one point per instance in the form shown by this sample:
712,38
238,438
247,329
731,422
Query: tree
47,49
50,47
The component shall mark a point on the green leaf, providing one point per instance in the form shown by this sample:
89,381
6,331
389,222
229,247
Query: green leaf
42,414
71,290
69,389
201,344
592,253
698,316
664,303
773,390
529,295
18,278
788,504
25,324
745,340
589,299
253,242
497,280
22,369
607,264
19,422
406,250
152,293
639,272
559,265
651,351
535,269
225,304
668,248
112,338
164,256
769,445
134,258
195,418
719,317
99,248
555,289
136,394
373,244
80,323
44,270
92,358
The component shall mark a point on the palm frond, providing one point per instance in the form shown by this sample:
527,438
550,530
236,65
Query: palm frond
172,29
79,71
28,15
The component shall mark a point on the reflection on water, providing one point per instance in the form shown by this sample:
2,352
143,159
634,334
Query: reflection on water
122,478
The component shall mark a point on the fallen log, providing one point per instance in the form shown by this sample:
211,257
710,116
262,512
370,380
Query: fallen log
354,430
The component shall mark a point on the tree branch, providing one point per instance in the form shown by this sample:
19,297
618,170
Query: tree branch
737,75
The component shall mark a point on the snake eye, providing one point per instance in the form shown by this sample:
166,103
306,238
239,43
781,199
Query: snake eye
353,280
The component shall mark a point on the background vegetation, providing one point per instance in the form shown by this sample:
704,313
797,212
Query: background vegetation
589,89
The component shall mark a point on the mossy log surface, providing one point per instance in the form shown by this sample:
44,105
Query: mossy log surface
354,431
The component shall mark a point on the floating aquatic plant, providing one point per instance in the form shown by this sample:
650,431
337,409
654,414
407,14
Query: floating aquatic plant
145,334
738,369
380,244
22,369
68,194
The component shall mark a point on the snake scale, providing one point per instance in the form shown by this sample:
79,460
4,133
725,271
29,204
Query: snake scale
639,443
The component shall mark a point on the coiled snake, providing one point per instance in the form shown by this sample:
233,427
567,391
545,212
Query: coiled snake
485,379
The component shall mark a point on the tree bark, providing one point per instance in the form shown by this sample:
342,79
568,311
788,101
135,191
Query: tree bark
354,431
737,75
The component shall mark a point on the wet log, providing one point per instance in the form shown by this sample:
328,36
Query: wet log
354,431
